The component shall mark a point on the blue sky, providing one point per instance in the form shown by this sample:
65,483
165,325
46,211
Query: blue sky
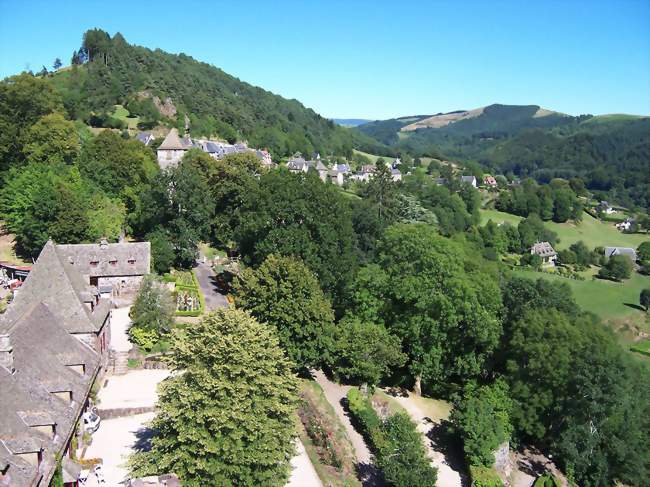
374,59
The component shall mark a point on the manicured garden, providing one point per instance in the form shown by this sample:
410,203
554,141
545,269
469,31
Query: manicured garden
187,293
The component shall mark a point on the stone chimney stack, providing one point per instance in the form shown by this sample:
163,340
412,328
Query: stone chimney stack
6,353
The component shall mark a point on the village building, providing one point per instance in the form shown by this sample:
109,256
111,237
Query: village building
546,251
489,181
145,137
626,251
468,180
172,150
440,181
605,207
115,269
396,175
297,164
335,177
45,377
624,226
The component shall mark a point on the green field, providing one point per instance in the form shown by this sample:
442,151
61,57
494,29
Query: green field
122,113
591,231
373,158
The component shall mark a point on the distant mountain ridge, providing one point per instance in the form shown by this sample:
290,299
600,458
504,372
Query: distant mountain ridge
350,122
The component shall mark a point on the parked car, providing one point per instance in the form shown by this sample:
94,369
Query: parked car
91,421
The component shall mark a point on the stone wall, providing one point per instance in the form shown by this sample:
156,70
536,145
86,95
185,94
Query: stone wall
122,285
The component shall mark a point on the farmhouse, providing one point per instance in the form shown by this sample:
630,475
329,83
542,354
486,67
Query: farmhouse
627,251
145,137
605,207
490,181
468,180
546,251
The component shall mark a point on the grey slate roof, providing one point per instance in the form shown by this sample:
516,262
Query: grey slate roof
39,340
172,142
627,251
113,259
55,282
543,249
144,137
468,179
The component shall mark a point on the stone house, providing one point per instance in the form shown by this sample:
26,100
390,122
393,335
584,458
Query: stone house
468,180
115,269
546,251
605,207
626,251
489,181
45,377
172,149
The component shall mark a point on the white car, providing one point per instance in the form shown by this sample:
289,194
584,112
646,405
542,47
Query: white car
91,421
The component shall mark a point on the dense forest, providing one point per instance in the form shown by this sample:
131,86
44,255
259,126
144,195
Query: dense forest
107,71
610,153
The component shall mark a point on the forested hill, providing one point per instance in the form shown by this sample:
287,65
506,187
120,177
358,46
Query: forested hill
108,71
611,153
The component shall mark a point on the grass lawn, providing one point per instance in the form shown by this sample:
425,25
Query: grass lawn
373,158
122,113
613,302
329,475
7,253
591,231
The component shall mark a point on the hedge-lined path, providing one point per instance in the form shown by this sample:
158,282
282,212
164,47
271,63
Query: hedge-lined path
335,394
213,298
447,477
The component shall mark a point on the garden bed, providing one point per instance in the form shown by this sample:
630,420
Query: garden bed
187,293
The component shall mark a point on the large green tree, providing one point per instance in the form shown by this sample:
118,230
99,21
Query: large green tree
227,416
52,139
438,297
298,215
285,294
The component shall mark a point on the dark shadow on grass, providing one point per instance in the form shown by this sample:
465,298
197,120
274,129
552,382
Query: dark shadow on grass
634,306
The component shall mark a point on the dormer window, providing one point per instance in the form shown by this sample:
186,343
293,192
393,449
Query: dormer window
94,263
131,261
113,262
78,368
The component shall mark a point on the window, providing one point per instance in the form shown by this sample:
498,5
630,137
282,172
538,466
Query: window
131,261
94,263
113,262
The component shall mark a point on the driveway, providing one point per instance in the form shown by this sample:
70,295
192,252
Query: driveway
135,389
114,441
213,298
120,323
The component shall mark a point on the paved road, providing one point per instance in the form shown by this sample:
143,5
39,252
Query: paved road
213,298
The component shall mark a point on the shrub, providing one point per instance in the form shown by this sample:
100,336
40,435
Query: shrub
143,338
484,477
396,443
547,480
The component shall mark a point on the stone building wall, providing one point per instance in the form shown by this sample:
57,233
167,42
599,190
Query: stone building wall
122,285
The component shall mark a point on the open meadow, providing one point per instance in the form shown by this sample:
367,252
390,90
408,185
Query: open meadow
591,231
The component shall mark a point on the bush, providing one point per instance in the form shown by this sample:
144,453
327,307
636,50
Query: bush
143,338
396,443
547,480
617,268
484,477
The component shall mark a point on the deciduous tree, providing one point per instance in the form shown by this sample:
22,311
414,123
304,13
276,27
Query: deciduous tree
227,416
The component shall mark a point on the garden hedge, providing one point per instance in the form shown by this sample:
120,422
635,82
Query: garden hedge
484,477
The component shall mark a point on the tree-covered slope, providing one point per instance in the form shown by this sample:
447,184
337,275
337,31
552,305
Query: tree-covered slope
108,71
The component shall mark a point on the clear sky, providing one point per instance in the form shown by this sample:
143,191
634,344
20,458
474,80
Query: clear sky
374,59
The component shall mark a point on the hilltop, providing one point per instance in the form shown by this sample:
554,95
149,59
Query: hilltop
610,152
177,90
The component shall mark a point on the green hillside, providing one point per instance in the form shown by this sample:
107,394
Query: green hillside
107,71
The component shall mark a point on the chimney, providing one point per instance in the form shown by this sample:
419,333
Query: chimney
6,353
103,244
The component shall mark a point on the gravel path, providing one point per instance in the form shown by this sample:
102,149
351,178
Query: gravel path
213,298
303,473
447,477
120,323
335,393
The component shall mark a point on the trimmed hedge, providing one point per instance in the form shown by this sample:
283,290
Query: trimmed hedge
484,477
187,287
396,443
